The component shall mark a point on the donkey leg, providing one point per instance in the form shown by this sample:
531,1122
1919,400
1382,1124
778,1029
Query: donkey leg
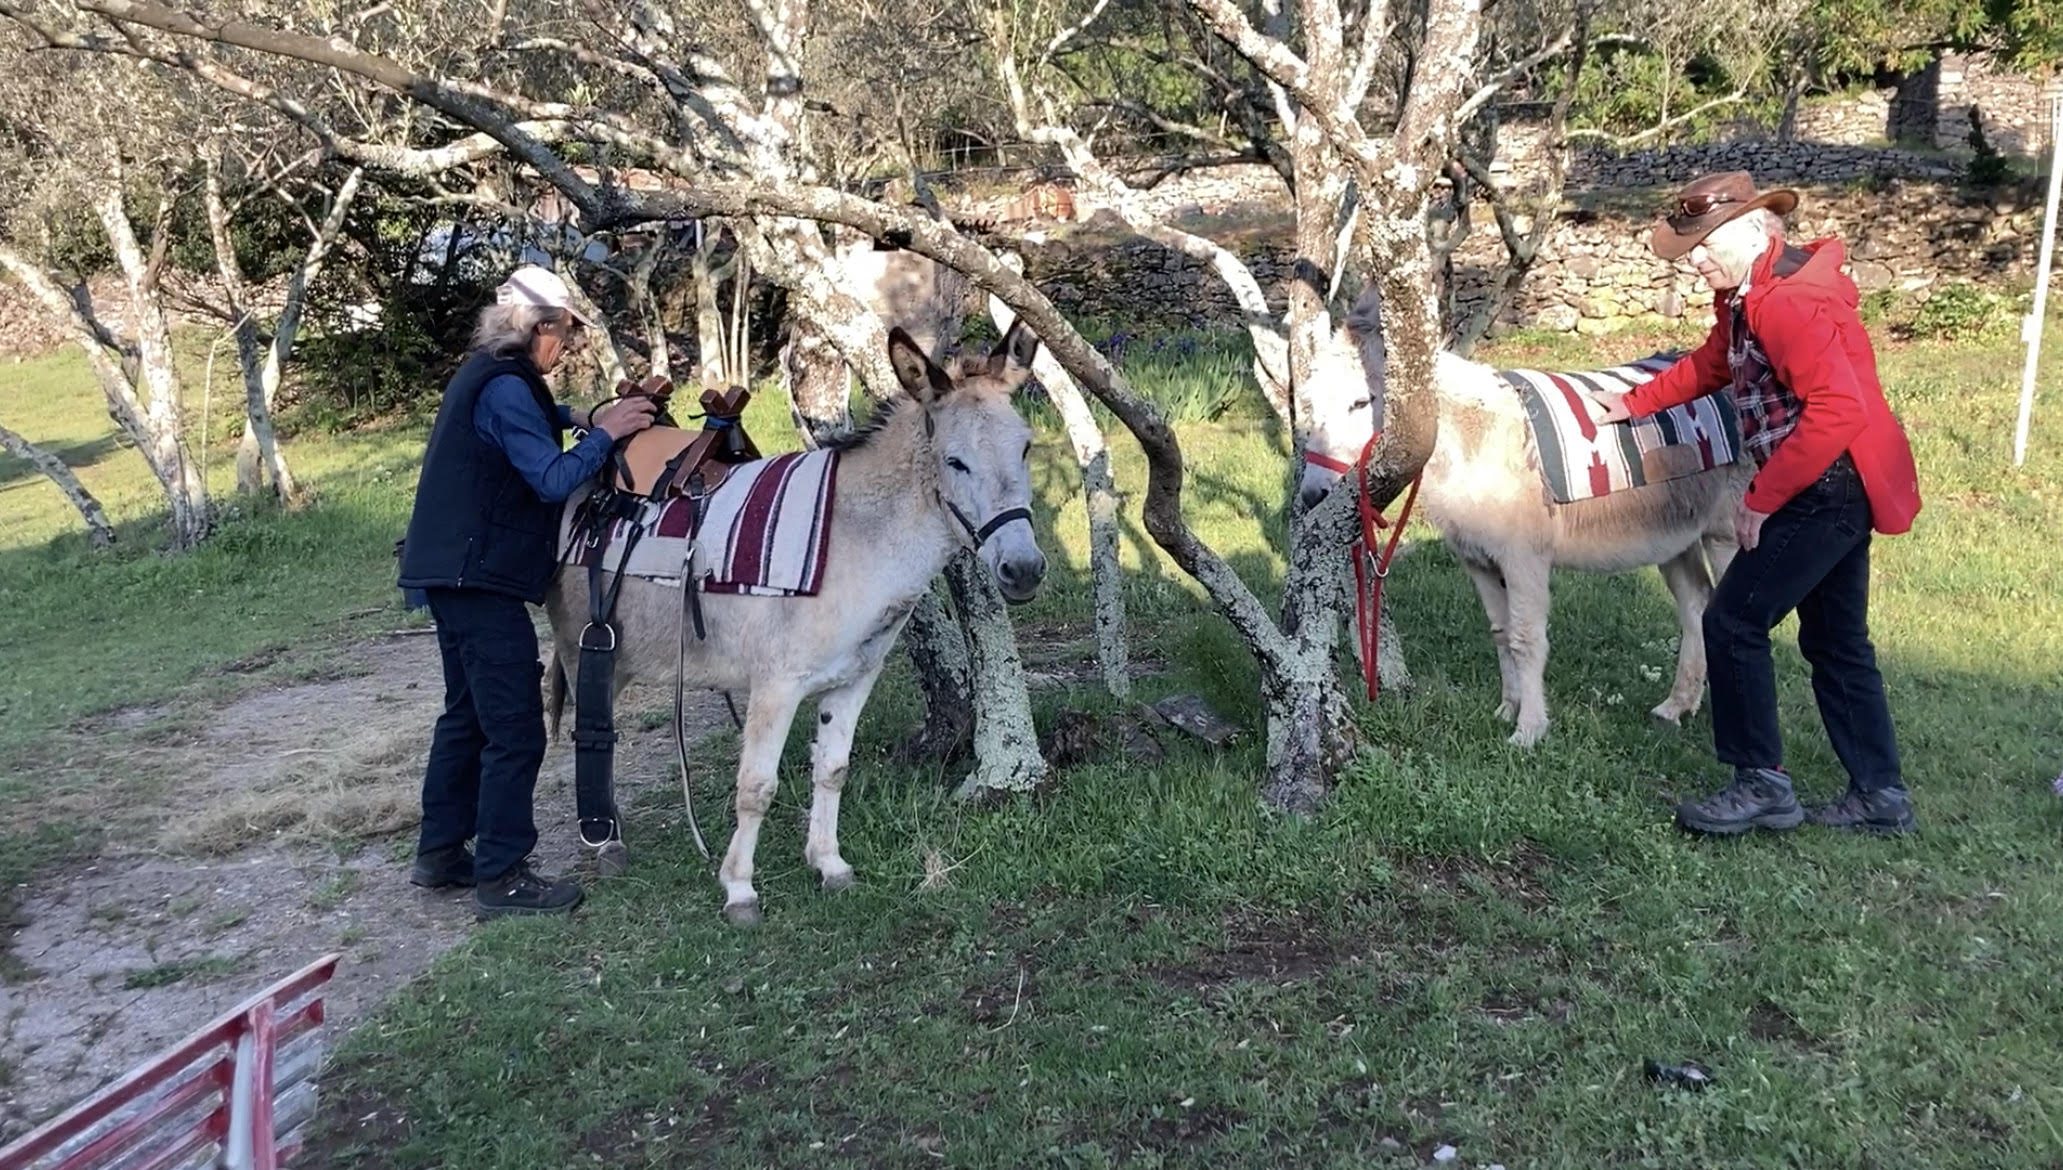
1720,550
838,713
1689,584
1526,592
1496,606
768,714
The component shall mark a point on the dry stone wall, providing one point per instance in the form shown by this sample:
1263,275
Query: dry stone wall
2013,108
1594,273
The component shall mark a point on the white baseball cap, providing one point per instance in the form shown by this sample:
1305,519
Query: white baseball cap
532,285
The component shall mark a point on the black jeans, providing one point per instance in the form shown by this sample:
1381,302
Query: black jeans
489,741
1814,557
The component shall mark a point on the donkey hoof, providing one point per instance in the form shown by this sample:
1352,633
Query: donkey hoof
1507,711
612,859
1670,713
742,914
839,881
1526,736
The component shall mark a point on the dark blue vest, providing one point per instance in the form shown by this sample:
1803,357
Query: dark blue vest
477,523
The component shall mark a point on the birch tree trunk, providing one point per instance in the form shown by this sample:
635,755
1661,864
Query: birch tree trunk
713,344
164,441
945,674
137,376
98,530
659,363
815,377
259,451
1006,746
1099,491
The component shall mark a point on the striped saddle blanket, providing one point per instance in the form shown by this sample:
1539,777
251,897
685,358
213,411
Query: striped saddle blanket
1582,459
764,531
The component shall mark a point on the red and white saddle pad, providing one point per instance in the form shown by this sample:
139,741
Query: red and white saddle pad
1582,459
765,531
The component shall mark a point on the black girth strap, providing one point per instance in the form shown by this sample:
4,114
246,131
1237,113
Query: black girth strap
594,720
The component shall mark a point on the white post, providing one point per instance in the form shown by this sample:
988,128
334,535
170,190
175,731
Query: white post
2031,329
238,1147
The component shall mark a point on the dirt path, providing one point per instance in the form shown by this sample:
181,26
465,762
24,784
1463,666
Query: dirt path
281,838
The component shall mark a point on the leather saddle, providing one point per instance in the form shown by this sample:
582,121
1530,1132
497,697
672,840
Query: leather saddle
665,460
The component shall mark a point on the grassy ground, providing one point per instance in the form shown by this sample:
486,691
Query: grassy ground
1471,946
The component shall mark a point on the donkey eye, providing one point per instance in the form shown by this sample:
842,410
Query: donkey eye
953,462
1360,404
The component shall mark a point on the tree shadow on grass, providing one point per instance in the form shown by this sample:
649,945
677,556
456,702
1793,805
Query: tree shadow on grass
16,473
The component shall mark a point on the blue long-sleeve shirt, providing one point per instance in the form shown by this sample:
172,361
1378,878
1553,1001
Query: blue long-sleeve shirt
506,416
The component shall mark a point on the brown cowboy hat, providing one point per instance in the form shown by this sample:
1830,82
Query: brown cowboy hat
1708,202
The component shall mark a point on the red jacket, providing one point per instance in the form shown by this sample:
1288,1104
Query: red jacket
1817,347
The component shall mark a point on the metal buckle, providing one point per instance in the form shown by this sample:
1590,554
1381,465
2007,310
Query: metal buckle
589,628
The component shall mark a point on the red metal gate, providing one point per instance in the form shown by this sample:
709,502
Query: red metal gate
235,1095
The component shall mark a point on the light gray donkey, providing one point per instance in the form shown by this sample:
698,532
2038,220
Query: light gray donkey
931,476
1483,490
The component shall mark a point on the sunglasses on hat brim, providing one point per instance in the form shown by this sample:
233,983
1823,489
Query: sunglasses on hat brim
1693,206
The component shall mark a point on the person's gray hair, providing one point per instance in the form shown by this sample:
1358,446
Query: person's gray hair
507,329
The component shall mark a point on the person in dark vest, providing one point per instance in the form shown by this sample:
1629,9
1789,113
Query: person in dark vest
482,542
1832,466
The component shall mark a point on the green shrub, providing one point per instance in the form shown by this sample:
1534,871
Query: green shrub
1962,312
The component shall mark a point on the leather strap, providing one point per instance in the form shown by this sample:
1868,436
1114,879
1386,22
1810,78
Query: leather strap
594,718
594,722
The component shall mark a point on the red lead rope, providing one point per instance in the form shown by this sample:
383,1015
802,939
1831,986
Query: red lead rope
1371,567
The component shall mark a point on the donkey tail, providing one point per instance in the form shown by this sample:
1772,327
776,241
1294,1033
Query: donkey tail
555,703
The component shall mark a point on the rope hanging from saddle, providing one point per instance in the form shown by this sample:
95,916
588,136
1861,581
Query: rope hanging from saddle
656,464
1372,557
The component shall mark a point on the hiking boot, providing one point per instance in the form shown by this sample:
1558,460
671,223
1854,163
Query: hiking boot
1885,811
1758,798
441,868
523,890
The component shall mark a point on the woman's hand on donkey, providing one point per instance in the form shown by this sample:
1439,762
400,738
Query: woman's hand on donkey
1747,527
625,416
1613,403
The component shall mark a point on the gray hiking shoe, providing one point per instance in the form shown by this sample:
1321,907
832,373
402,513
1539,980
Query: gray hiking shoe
523,890
1886,812
1758,798
441,868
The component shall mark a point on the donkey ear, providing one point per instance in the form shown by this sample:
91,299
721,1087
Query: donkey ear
1012,358
921,377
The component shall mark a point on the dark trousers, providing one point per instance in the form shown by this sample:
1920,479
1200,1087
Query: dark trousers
1814,557
489,741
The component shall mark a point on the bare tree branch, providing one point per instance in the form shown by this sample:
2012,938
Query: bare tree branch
459,101
1067,35
1503,79
1662,127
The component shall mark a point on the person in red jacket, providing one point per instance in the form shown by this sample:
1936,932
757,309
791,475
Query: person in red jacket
1833,466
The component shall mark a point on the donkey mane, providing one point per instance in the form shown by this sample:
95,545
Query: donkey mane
867,432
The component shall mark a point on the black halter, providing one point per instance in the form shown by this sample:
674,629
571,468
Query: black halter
979,535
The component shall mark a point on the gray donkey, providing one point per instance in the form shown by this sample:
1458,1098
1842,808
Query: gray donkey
1483,491
943,469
